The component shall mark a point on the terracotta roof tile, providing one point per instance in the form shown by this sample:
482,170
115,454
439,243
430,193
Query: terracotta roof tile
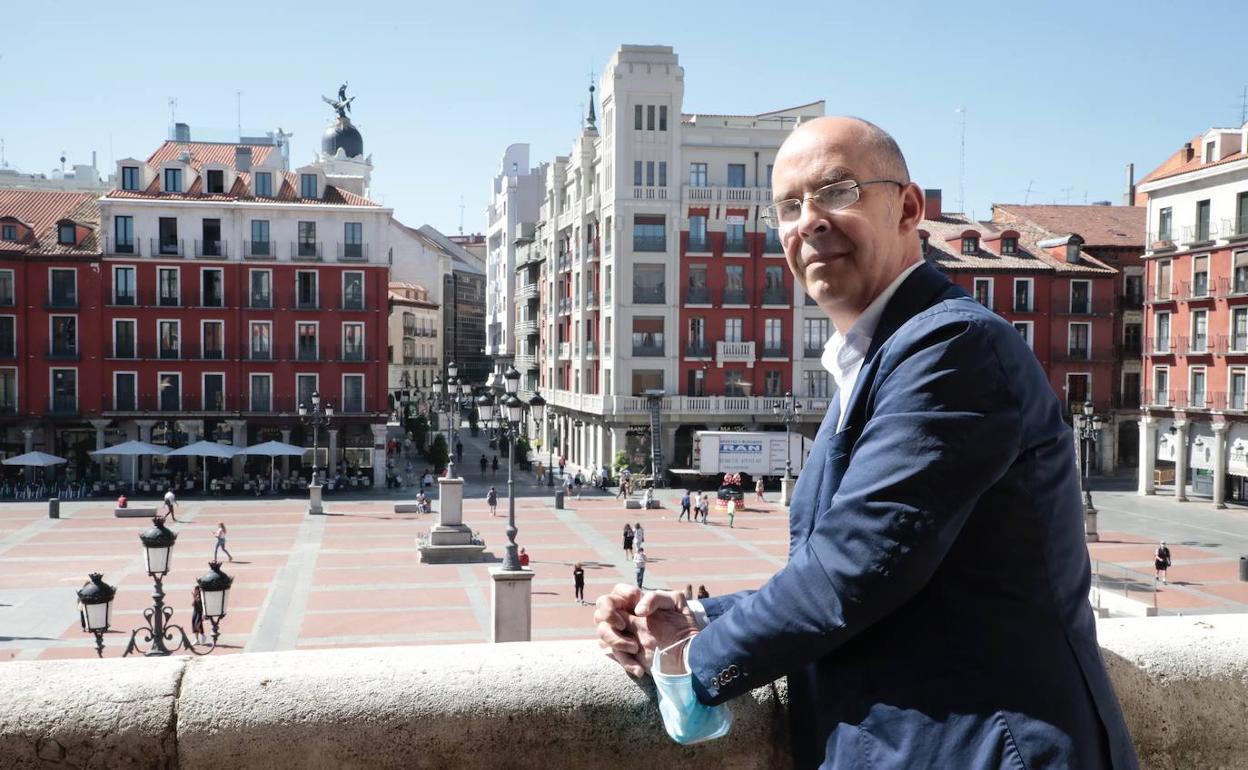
1178,164
42,209
1097,225
1030,257
204,153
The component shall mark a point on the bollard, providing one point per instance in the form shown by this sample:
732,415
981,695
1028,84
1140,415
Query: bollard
54,510
558,499
1243,568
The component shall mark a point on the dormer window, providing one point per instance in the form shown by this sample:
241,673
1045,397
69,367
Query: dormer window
1209,152
130,177
307,186
264,184
173,180
1072,252
1009,246
65,234
970,245
8,232
214,181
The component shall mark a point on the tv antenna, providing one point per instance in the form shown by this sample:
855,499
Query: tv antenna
461,215
238,95
1027,194
962,164
1068,191
173,110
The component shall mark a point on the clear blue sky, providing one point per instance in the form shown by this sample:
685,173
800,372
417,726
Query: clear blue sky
1059,95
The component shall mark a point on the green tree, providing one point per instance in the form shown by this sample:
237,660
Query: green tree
420,430
439,454
621,460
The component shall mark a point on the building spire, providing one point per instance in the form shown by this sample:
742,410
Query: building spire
589,123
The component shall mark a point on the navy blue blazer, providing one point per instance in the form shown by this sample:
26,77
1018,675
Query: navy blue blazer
934,609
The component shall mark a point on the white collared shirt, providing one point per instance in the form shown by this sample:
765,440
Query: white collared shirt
843,354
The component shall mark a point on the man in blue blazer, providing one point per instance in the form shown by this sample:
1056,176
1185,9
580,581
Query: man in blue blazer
934,609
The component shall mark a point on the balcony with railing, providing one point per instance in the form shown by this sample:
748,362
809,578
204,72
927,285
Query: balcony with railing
1159,398
1131,301
348,252
1161,294
772,244
1160,346
565,306
734,297
1232,345
777,295
698,245
649,295
698,295
812,351
736,245
307,251
717,194
64,404
1196,291
124,248
697,349
211,249
526,291
526,327
259,250
1195,345
1083,306
775,349
564,262
591,301
650,193
650,243
166,247
1235,287
734,352
565,351
1086,353
591,349
648,345
62,301
1235,401
1234,228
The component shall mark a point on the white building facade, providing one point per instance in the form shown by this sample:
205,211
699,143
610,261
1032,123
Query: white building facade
515,197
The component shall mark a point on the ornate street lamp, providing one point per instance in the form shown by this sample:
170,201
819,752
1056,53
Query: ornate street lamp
96,598
316,416
508,415
214,590
1088,429
789,412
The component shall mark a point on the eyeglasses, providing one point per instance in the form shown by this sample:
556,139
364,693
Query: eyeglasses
830,198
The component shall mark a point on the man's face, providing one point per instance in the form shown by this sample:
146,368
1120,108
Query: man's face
843,259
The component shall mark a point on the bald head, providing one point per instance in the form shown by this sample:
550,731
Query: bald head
875,146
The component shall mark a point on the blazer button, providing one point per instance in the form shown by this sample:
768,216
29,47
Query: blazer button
733,671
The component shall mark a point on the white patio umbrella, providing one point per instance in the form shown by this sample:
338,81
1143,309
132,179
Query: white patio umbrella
131,449
36,460
273,450
206,449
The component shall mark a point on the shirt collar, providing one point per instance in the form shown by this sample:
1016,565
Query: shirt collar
844,351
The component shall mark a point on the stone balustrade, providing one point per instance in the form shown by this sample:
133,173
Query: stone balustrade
1182,681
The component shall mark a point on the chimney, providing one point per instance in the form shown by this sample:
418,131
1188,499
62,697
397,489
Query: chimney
1188,152
931,204
181,132
1129,198
242,158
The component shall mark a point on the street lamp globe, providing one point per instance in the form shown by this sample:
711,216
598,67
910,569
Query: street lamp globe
329,409
465,387
303,410
485,405
158,546
513,379
437,381
538,405
452,369
316,398
214,588
515,409
96,598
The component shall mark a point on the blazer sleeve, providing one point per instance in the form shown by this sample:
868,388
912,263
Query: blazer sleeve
942,428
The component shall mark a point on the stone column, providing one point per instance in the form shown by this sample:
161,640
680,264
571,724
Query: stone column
1148,454
285,458
145,434
619,441
1219,464
669,445
99,426
331,468
239,439
1107,447
1180,463
379,455
511,605
28,441
194,430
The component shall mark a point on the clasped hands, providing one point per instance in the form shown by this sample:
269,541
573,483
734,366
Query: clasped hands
632,624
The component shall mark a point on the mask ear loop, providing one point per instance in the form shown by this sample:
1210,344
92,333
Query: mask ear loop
658,657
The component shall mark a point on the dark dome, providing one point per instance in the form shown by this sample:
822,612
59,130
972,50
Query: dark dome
342,134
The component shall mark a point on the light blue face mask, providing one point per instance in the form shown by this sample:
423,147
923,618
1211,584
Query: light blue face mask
685,718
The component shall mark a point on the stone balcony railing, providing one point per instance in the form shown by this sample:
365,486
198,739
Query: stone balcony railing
1182,682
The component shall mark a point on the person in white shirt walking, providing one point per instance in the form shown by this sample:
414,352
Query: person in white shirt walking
170,502
639,563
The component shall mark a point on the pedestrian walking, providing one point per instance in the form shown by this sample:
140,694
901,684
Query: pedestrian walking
562,462
567,486
639,565
170,502
732,511
703,593
623,489
639,535
427,480
220,535
484,465
494,467
524,558
578,583
758,490
491,499
689,591
459,451
628,540
578,483
685,506
197,616
1161,562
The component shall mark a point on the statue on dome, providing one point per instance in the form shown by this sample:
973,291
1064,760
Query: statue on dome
342,105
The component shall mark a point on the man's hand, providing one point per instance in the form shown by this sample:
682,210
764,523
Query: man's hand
613,613
661,619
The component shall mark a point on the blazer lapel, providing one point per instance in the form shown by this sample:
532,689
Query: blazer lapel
810,481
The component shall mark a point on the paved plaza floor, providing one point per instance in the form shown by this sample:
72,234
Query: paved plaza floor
354,578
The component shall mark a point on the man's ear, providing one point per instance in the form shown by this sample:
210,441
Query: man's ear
912,203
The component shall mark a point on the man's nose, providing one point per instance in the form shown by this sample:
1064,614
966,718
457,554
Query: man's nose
813,220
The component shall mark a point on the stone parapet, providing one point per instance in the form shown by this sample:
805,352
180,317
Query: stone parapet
1183,683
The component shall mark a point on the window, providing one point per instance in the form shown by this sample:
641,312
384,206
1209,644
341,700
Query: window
173,180
123,286
352,290
307,239
637,125
1078,390
970,245
1163,280
214,181
1209,148
1161,386
1078,343
697,233
774,290
261,335
662,117
773,337
214,392
815,334
8,232
1165,222
771,243
769,168
169,334
261,289
307,295
261,393
1081,296
264,184
211,245
736,175
63,287
1009,246
697,175
167,283
1200,277
662,173
1239,329
125,392
648,336
734,235
1022,295
305,386
353,240
649,117
1197,391
983,291
1132,339
307,186
8,336
771,383
816,384
353,393
637,173
649,233
1026,331
1202,220
649,284
1238,383
64,336
697,293
1200,331
735,383
353,342
212,340
305,334
64,391
169,243
734,285
124,340
260,238
129,177
649,173
606,236
66,234
732,330
1241,213
169,386
212,287
123,235
1162,343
